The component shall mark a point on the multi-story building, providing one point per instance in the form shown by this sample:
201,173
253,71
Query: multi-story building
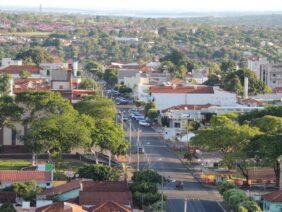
271,74
255,62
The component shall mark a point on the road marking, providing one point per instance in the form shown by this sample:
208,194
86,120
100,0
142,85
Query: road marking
222,208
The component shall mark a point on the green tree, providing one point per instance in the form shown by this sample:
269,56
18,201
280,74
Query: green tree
98,172
4,84
87,84
57,134
26,190
225,136
168,66
147,176
36,55
149,106
268,124
267,148
176,57
97,107
224,186
228,66
24,74
250,116
143,187
110,76
9,111
145,199
213,80
7,207
95,68
234,81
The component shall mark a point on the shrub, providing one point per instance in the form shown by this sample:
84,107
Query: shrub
144,187
145,199
237,200
60,176
147,176
98,172
250,205
7,207
224,186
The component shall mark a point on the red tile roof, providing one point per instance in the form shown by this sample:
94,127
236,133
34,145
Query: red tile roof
22,176
40,84
188,107
261,174
105,186
61,207
99,197
182,89
96,193
110,206
14,69
69,186
275,196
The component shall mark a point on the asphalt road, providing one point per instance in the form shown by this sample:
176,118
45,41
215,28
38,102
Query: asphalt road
160,157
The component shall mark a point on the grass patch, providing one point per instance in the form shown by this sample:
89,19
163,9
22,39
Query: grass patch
68,165
14,164
29,34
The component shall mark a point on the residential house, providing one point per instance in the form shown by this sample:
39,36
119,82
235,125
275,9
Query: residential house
272,202
61,207
179,116
94,194
43,178
62,192
15,70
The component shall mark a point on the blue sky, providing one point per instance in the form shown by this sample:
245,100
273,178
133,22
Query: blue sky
168,5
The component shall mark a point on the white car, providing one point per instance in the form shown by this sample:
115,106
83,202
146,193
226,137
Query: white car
144,123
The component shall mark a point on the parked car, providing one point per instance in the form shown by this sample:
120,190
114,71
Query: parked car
144,123
140,150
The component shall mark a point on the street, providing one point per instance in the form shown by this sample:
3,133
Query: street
160,157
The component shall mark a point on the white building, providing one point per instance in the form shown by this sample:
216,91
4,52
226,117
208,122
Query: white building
179,116
169,96
271,74
255,62
8,61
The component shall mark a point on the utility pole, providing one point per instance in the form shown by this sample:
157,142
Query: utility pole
138,138
162,193
130,141
121,119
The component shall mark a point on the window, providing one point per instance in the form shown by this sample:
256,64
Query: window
274,75
273,82
176,125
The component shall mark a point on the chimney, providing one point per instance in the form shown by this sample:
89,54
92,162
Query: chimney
246,88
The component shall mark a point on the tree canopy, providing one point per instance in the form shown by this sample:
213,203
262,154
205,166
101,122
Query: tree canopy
98,172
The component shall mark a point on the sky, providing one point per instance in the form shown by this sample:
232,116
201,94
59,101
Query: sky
159,5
